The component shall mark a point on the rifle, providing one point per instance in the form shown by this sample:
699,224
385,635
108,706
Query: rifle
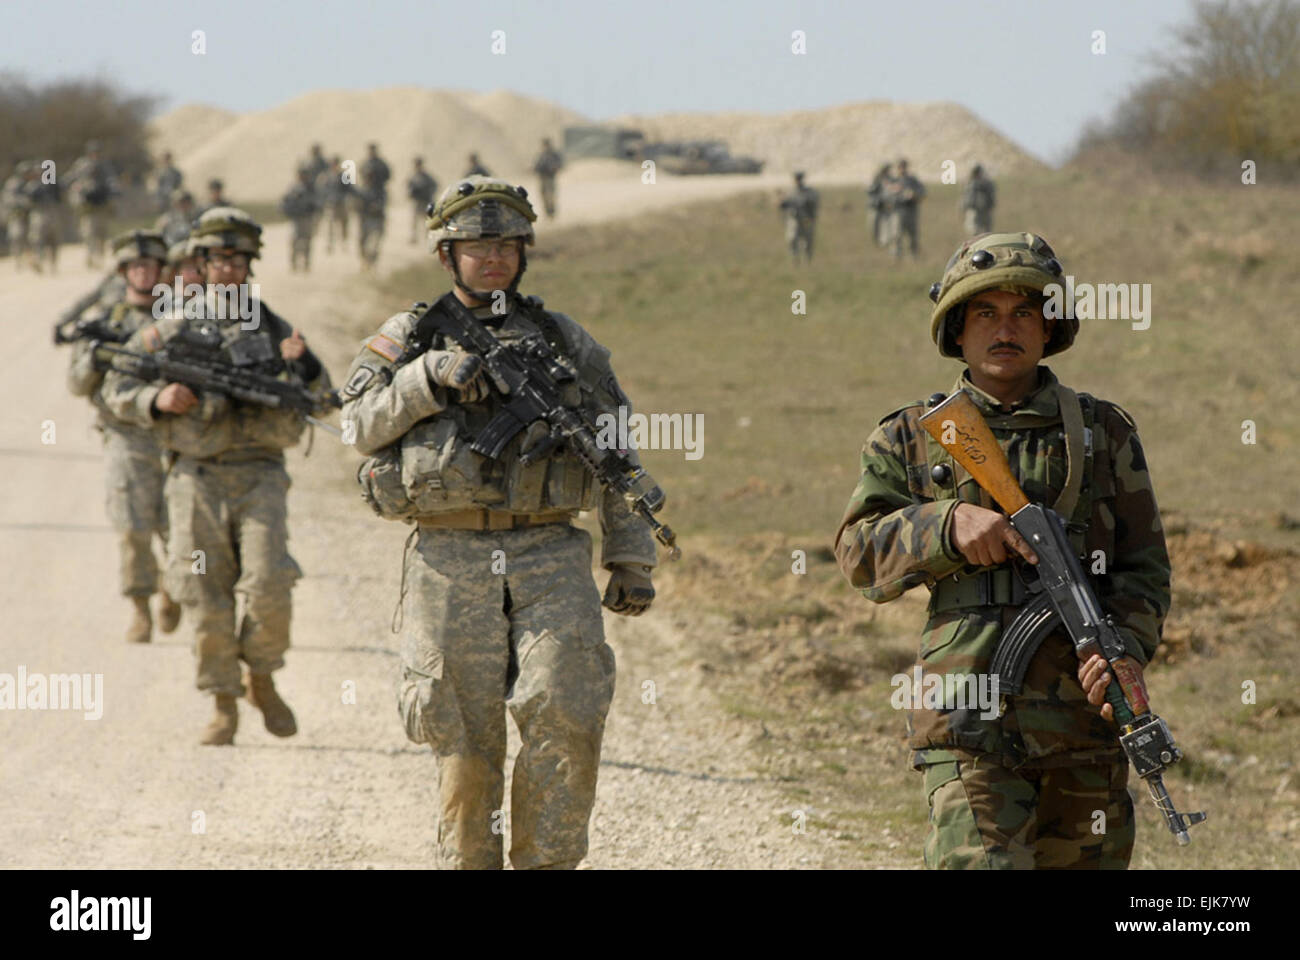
1060,596
67,329
529,375
191,362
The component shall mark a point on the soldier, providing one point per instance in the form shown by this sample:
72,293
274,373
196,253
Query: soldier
183,266
93,187
375,169
372,206
336,195
876,204
301,206
548,163
1020,788
315,164
475,168
16,201
904,194
421,188
167,183
132,458
175,224
45,220
526,634
216,197
227,483
977,201
800,206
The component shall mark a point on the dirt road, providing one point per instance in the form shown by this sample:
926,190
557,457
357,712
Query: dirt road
134,789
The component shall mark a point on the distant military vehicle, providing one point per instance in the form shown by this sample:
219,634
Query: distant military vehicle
682,157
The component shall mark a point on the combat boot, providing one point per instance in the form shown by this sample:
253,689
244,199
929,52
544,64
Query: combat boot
140,629
220,731
169,613
275,712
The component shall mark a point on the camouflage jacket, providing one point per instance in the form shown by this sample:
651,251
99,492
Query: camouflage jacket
978,194
218,425
388,398
85,381
301,201
548,163
421,187
801,204
896,534
174,226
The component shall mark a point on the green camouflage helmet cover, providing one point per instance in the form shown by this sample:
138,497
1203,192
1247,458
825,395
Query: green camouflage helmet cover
226,227
478,207
1020,262
137,245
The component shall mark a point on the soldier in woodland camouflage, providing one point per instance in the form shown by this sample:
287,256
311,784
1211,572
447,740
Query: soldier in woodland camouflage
301,206
978,198
800,209
132,458
548,163
499,609
421,188
1028,787
226,487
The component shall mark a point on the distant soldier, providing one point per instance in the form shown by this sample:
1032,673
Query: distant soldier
546,166
167,182
335,196
45,220
174,225
301,206
375,169
476,169
879,214
16,206
372,201
93,186
800,206
978,198
421,188
904,193
132,458
315,164
216,198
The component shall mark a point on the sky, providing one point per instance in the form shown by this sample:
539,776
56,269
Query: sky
1027,68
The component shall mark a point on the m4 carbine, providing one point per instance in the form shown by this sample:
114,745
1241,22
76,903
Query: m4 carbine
1060,596
529,376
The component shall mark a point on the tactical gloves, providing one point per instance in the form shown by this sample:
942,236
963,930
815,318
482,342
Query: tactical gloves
457,370
630,591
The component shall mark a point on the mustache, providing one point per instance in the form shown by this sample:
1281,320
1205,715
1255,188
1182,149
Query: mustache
1006,345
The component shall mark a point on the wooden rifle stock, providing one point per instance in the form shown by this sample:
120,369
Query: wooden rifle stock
959,427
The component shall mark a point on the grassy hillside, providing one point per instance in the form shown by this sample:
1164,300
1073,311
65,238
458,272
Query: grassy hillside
696,306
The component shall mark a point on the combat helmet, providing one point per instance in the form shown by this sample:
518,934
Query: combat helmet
227,227
1019,262
137,245
179,252
479,207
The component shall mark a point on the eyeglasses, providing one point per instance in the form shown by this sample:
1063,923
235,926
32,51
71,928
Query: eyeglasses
228,259
478,249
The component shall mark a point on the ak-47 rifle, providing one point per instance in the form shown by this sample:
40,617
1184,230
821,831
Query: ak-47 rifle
193,362
529,375
1060,596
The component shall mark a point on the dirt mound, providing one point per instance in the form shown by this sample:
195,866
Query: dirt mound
256,153
850,142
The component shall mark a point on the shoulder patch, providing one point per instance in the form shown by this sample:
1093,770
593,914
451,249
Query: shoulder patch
358,381
151,339
387,348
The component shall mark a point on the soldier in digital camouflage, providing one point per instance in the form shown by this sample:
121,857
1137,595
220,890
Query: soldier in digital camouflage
1041,783
499,608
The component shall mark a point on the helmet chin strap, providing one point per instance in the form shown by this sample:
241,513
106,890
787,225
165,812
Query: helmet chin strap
485,296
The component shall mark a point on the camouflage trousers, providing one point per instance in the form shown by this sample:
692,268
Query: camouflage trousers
978,221
338,220
136,510
548,195
372,232
300,247
799,237
43,236
903,230
418,216
94,231
984,816
16,229
229,535
496,620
